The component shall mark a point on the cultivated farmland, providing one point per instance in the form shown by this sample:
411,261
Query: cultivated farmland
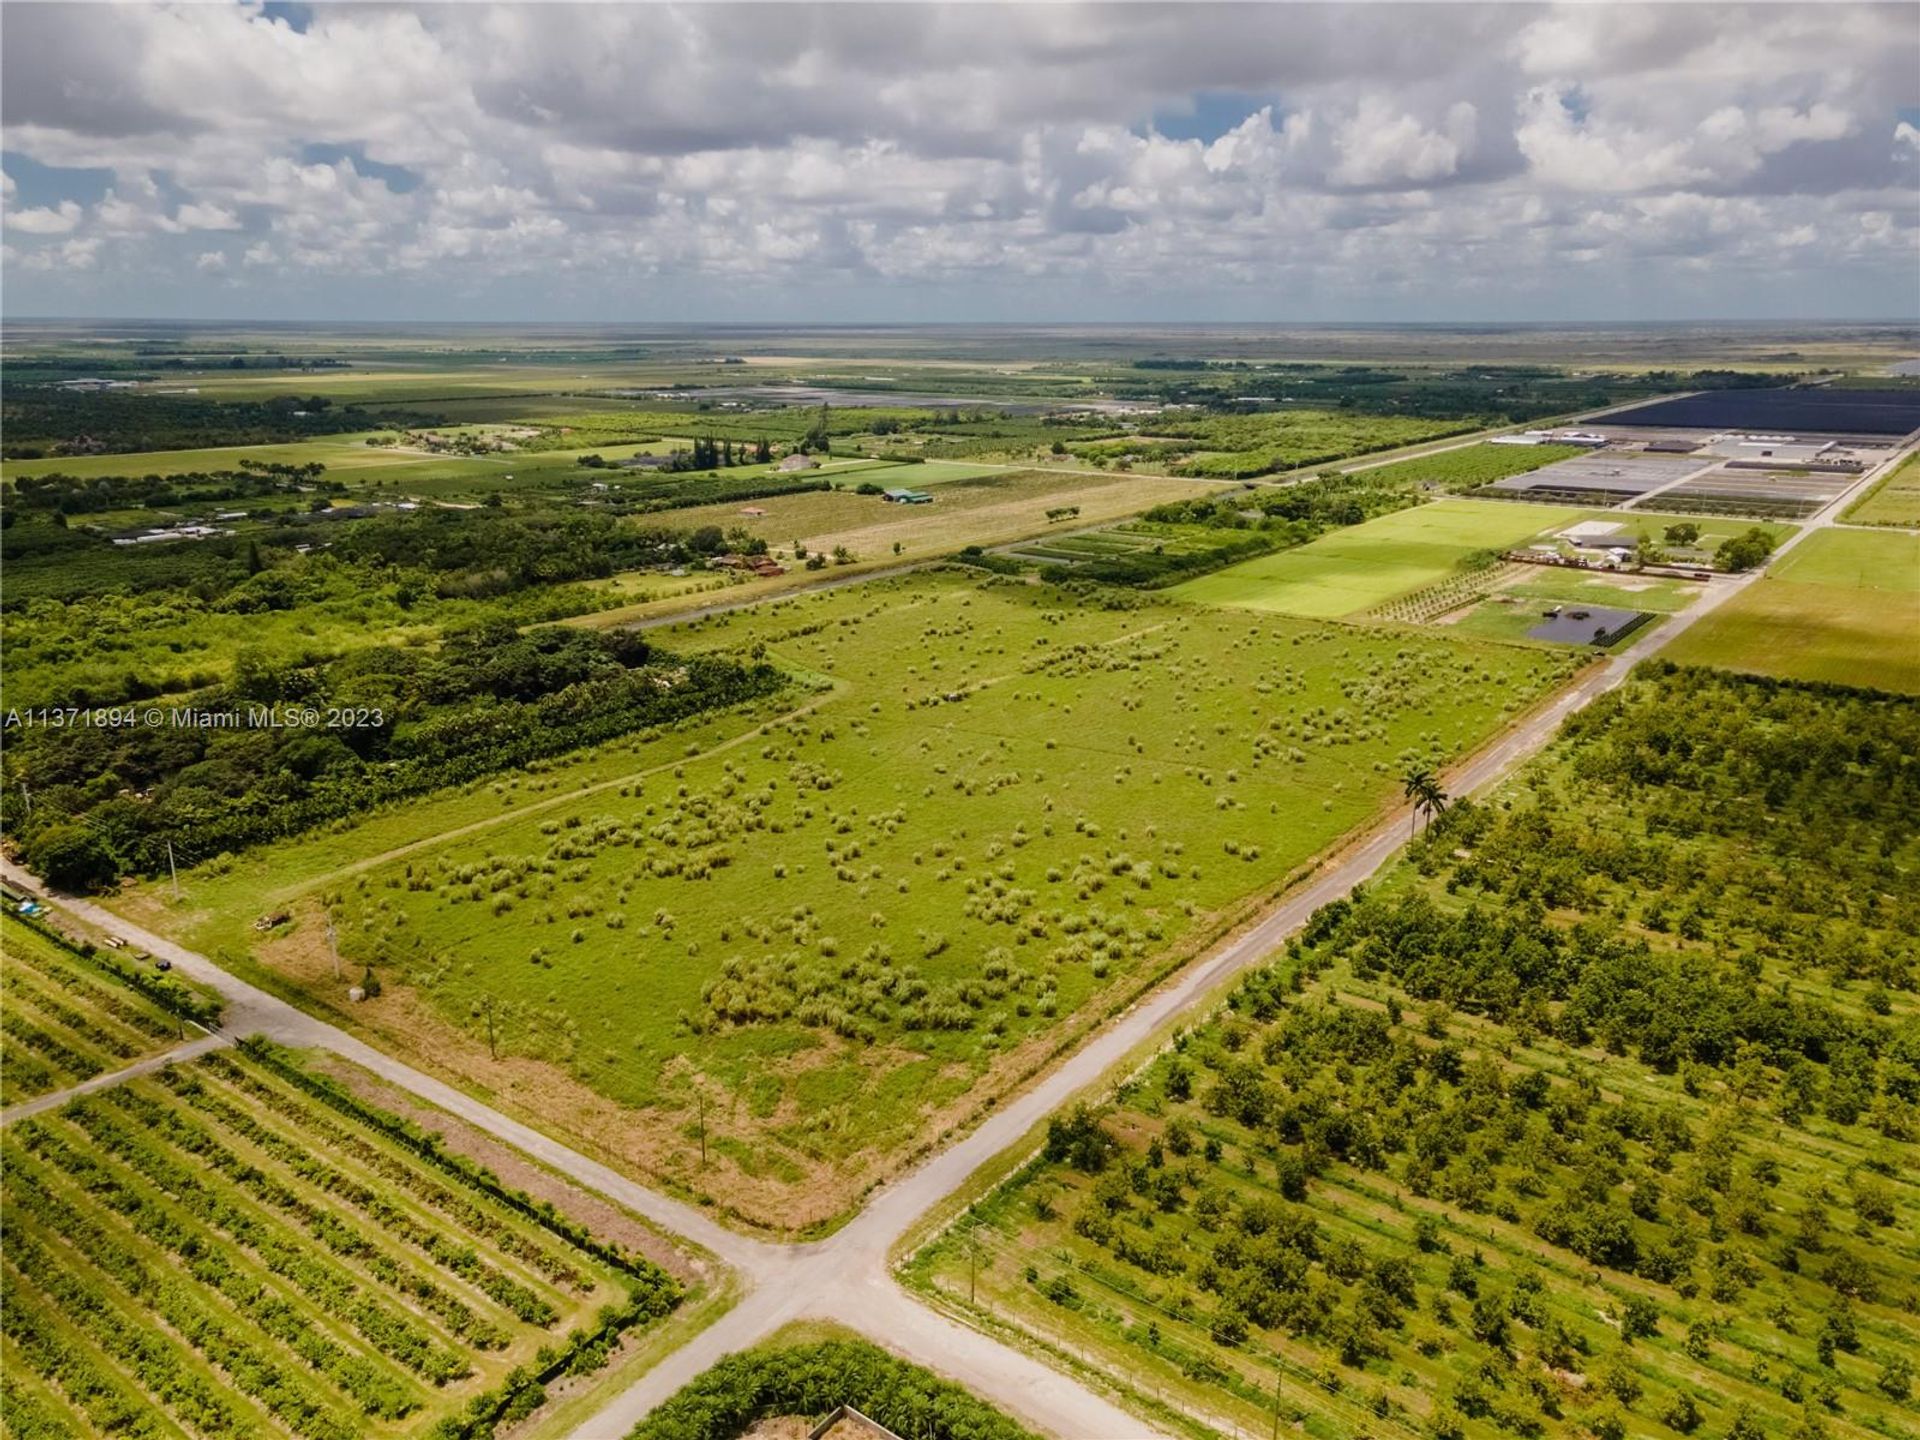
65,1018
234,1248
1003,806
1353,570
1844,606
1596,1115
1894,500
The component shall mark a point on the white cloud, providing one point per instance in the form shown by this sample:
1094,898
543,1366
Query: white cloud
636,151
45,219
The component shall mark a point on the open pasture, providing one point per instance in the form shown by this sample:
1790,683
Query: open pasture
64,1019
1010,804
1844,607
1355,569
232,1248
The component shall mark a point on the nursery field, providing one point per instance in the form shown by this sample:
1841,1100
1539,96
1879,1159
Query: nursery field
232,1248
1596,1115
1844,607
1894,500
64,1019
831,937
1355,569
1470,466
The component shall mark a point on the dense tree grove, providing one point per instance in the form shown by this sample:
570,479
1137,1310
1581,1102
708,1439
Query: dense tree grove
1640,1028
814,1379
109,800
48,420
91,494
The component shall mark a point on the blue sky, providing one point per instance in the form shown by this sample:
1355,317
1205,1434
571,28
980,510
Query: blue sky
872,162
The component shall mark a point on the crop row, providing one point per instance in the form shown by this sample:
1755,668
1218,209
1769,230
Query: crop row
99,993
49,1048
180,1303
213,1265
380,1213
392,1334
470,1217
100,1036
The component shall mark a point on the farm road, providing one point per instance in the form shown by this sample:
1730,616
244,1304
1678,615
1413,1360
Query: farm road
846,1277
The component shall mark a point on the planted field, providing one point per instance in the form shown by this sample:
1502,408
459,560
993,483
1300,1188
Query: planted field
1596,1115
1356,569
1009,806
1471,466
64,1019
987,508
1843,606
1894,500
232,1248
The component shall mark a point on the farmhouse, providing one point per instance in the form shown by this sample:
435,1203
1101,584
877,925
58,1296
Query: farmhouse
799,462
906,497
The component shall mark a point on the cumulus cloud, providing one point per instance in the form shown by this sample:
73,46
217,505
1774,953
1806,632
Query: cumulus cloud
635,151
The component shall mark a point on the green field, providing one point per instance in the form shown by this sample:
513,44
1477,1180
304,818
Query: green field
64,1018
223,1250
1356,569
1594,1115
1844,606
1894,500
850,923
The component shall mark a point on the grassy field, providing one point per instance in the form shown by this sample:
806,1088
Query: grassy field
1894,500
845,929
1356,569
1844,606
219,1250
64,1019
1537,1137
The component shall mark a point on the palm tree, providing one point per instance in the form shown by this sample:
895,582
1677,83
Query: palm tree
1422,787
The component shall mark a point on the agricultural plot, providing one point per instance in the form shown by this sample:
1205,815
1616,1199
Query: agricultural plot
1844,606
232,1247
1779,495
1357,569
64,1019
1130,541
1893,500
1471,466
987,508
833,937
1595,1115
1238,447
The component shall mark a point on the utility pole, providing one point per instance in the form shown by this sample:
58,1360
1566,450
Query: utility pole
973,1258
1276,1397
333,947
173,873
700,1099
492,1049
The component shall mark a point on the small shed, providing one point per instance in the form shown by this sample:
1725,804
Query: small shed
798,462
906,497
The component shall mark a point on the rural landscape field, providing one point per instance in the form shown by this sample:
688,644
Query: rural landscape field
979,722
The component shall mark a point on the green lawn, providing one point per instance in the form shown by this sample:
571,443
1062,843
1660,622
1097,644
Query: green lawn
1355,569
1844,607
1012,804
